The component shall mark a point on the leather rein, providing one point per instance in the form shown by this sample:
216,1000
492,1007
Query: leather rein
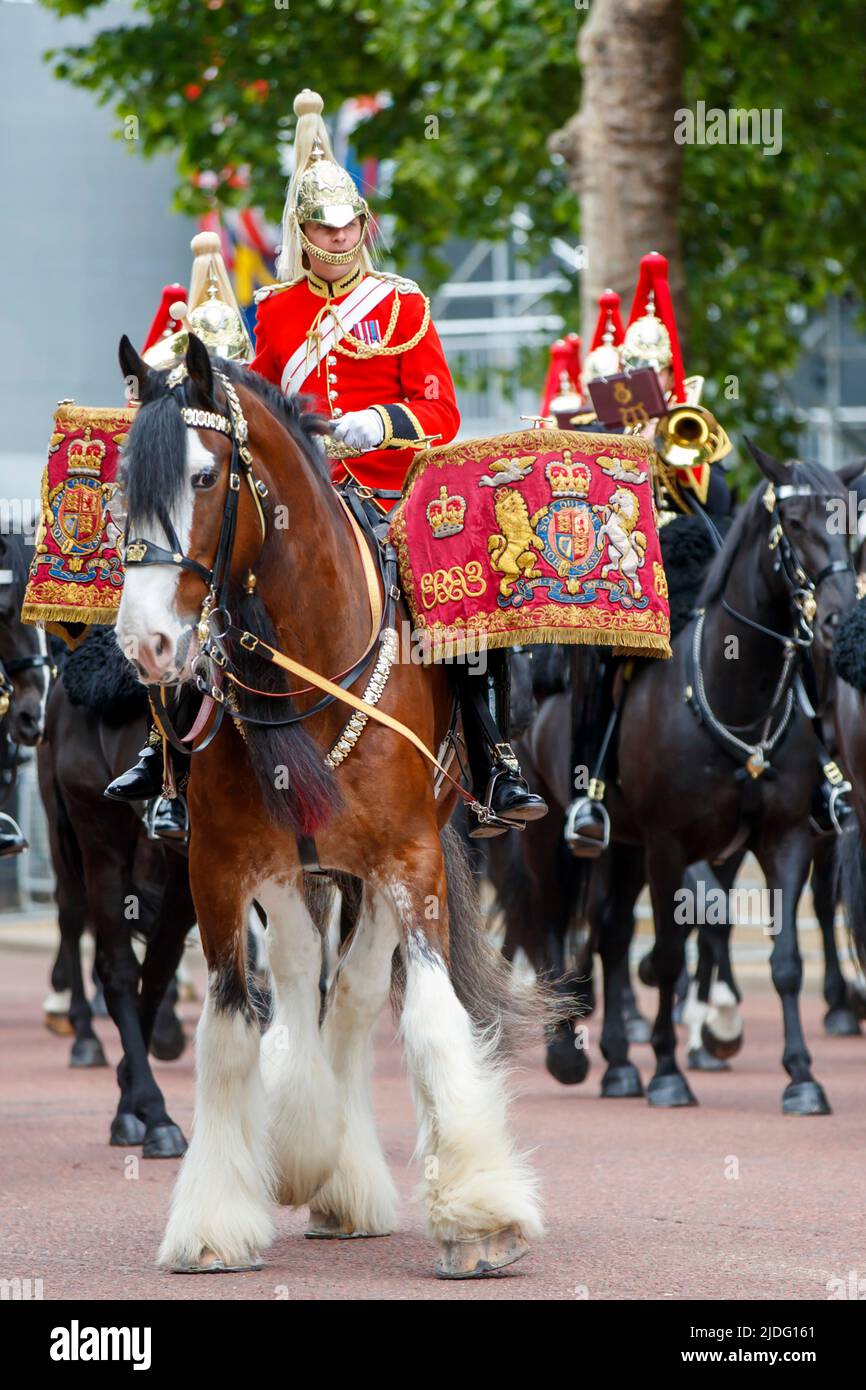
796,645
215,625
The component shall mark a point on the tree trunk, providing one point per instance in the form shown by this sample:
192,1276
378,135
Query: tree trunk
623,162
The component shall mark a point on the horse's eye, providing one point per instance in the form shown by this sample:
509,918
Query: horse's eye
205,479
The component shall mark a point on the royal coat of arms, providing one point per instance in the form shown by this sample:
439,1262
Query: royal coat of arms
76,574
557,543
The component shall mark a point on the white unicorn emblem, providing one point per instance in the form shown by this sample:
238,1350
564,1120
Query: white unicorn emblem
626,547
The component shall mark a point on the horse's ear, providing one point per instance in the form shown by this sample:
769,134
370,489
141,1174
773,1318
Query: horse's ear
850,472
772,468
199,367
134,369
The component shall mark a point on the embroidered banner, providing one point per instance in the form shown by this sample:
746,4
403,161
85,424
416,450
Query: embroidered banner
540,536
76,574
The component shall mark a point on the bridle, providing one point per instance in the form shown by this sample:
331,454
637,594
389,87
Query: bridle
215,626
802,592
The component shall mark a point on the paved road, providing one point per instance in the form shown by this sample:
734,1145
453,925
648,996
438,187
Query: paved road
638,1201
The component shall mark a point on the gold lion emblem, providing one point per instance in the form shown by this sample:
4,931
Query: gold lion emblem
512,550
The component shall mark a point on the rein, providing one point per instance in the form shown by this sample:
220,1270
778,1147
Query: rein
215,625
796,645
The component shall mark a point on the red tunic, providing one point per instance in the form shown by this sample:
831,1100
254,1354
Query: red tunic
412,390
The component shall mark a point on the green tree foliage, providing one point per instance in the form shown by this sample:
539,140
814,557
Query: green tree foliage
476,91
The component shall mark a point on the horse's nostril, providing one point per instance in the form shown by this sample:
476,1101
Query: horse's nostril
160,645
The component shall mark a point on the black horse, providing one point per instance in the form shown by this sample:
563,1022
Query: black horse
112,877
683,792
24,677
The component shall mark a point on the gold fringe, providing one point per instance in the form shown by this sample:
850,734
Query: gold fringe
627,643
61,613
75,417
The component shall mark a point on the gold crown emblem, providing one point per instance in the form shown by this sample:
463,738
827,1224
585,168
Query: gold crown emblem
85,455
446,514
567,478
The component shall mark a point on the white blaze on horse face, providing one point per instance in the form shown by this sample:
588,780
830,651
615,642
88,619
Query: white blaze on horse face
149,625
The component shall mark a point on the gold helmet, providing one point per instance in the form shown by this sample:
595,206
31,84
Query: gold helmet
211,311
320,190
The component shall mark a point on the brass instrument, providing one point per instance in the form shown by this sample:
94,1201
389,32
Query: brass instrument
690,436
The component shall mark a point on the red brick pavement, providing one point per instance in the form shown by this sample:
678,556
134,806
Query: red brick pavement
637,1200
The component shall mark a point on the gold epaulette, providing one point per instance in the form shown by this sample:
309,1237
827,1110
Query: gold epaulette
586,417
400,282
267,290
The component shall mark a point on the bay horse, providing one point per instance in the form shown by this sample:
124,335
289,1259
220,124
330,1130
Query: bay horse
276,560
675,798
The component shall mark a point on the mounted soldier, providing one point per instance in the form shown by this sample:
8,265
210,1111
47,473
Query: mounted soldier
687,474
689,480
360,346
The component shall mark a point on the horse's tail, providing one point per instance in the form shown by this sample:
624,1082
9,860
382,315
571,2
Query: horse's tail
851,884
512,1014
640,542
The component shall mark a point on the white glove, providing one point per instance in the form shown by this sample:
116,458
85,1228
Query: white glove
362,429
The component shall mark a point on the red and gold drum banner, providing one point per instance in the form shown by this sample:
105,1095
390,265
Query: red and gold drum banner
76,575
541,536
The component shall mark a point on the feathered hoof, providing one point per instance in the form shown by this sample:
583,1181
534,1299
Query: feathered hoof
621,1082
126,1131
210,1263
841,1023
87,1052
722,1048
568,1064
476,1257
699,1059
805,1098
164,1141
669,1092
324,1225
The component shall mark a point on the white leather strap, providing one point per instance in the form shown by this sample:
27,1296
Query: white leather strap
352,310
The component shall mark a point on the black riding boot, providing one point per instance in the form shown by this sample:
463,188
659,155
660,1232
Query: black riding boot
502,793
169,817
587,824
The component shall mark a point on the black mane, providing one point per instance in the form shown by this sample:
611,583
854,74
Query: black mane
159,433
824,484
